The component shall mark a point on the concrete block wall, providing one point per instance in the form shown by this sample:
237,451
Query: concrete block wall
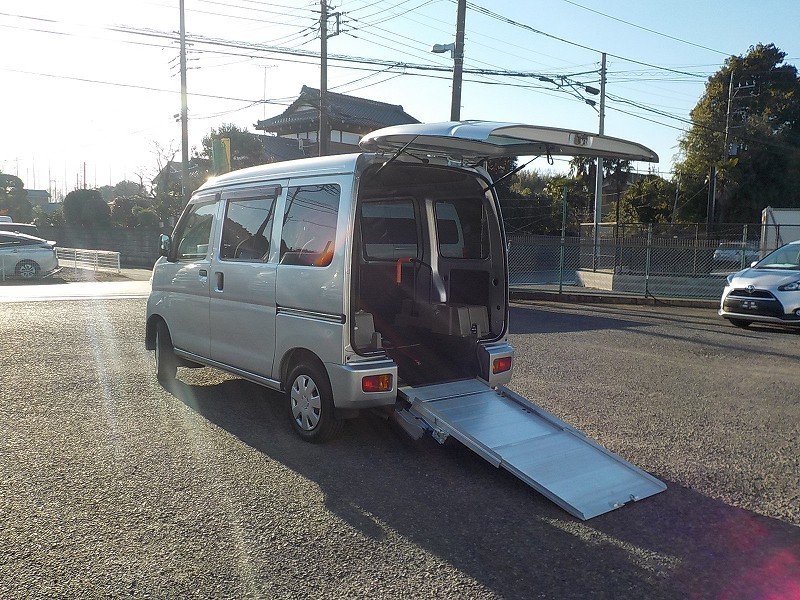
137,247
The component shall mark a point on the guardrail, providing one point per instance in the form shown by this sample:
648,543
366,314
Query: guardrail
96,260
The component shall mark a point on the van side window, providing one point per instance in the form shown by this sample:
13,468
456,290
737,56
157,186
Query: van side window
462,228
247,228
389,229
194,231
309,225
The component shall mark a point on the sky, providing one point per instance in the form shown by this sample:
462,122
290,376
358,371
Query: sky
91,88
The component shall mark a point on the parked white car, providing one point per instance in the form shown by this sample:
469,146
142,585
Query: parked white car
767,292
26,257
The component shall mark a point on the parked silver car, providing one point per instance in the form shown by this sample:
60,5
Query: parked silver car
729,255
767,292
26,228
25,256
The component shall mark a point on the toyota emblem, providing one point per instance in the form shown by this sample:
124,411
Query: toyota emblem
751,289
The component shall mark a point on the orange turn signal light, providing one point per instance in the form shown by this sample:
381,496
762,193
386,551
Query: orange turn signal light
377,383
501,365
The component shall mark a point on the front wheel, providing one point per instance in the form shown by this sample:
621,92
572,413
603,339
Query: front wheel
311,404
743,323
27,269
166,362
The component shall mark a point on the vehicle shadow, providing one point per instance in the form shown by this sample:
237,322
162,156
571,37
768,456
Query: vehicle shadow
492,527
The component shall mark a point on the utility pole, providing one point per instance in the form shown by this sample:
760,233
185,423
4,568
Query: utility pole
712,216
598,188
324,126
458,61
184,113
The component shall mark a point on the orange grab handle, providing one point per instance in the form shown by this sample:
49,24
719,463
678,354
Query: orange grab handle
398,277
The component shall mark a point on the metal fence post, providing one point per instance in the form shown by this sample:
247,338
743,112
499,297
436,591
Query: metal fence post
647,260
744,247
563,239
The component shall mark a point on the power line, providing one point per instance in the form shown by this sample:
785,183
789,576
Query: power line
494,15
653,31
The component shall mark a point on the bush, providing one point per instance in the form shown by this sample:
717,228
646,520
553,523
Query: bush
86,208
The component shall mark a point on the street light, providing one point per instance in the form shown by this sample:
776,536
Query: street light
457,54
442,48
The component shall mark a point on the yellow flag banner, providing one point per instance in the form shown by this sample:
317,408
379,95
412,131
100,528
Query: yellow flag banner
220,155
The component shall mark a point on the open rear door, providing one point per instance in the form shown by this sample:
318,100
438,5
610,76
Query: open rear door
511,432
473,141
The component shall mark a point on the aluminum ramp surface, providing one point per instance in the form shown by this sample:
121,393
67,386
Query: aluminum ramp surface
552,457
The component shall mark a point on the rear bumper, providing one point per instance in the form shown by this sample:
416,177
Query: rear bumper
346,384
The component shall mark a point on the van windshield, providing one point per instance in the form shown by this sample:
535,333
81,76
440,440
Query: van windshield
462,229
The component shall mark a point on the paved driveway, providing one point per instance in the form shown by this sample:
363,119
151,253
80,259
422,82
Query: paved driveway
111,486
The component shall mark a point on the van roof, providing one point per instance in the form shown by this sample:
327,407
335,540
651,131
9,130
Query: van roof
324,165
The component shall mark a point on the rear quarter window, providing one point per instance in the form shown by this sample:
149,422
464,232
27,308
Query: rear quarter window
389,229
462,229
308,234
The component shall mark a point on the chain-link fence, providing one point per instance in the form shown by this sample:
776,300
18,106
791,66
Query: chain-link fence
685,261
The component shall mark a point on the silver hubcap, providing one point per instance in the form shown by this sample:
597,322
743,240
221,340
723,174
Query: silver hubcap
27,270
306,402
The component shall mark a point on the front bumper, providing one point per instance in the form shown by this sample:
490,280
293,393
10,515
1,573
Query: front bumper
761,305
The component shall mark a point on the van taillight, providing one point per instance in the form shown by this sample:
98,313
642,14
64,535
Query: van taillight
377,383
501,365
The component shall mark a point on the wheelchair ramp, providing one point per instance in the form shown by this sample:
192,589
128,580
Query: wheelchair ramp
511,432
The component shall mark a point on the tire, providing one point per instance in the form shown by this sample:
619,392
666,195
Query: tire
310,403
743,323
166,362
27,269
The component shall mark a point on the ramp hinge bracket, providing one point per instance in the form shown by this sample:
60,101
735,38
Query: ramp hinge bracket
439,435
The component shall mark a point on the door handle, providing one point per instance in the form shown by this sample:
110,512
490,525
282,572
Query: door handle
220,280
202,274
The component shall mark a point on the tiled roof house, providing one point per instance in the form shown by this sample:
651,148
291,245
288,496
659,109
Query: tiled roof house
349,117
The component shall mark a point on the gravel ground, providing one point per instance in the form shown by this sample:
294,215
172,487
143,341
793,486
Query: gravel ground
111,486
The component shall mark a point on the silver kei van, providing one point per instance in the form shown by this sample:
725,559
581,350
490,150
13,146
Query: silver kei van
375,279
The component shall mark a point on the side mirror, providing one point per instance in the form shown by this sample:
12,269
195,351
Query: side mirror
164,245
754,263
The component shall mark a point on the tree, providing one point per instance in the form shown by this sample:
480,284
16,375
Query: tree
247,150
753,104
617,173
123,189
13,201
86,208
648,200
168,200
42,219
529,209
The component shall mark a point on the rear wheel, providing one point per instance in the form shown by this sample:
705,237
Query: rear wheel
743,323
27,269
166,362
311,404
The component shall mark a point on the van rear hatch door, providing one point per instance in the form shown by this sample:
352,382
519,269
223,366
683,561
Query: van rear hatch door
473,141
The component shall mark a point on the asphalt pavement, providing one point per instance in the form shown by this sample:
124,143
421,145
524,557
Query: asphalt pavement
112,486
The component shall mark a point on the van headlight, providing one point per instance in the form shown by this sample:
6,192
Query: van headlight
794,286
730,278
